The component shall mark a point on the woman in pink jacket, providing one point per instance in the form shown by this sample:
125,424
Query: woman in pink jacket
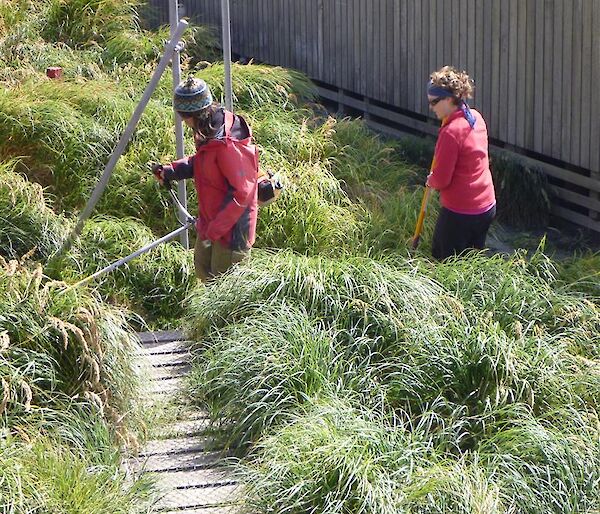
460,169
224,169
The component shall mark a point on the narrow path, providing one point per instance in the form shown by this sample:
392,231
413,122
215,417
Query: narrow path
188,469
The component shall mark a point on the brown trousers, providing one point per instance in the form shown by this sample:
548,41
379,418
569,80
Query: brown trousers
214,259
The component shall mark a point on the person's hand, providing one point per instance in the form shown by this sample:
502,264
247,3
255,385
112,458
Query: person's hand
158,172
427,180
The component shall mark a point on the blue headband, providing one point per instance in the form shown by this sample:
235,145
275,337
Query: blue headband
440,92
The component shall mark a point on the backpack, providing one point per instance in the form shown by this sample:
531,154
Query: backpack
269,185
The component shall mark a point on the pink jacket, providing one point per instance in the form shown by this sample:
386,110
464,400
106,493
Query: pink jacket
461,170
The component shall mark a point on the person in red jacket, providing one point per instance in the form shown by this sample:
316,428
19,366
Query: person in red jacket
460,169
224,169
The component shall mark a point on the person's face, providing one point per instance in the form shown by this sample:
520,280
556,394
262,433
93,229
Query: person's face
441,106
188,120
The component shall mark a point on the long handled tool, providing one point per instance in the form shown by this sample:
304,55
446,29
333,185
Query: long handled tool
421,218
189,223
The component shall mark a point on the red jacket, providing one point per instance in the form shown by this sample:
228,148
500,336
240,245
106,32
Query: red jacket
461,169
225,175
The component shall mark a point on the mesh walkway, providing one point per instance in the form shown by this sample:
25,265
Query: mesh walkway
182,458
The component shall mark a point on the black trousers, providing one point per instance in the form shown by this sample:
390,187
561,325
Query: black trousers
454,233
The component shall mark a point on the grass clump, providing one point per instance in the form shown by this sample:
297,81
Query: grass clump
27,223
338,458
58,128
256,86
331,460
523,294
85,22
45,475
69,398
581,273
65,346
254,374
154,284
363,159
453,366
522,192
329,223
353,291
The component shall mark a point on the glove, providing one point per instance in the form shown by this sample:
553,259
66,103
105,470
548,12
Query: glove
159,172
157,169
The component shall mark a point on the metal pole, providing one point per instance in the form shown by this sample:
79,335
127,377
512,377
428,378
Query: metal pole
125,137
179,148
135,254
226,22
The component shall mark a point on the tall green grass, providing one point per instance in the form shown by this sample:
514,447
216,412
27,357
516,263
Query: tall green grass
44,475
363,159
154,284
340,458
65,346
353,291
69,398
258,86
331,460
522,192
65,133
490,393
255,374
329,224
88,22
523,294
27,222
582,273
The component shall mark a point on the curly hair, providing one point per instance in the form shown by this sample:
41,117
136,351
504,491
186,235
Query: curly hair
458,82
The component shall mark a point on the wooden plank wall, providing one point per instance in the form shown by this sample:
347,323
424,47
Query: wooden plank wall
536,63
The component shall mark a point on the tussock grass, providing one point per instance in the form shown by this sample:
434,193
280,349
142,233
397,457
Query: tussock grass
44,475
61,127
329,224
524,296
522,192
154,284
353,291
259,86
339,458
331,460
582,273
256,373
363,159
26,221
291,136
541,466
391,219
60,347
88,22
490,393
